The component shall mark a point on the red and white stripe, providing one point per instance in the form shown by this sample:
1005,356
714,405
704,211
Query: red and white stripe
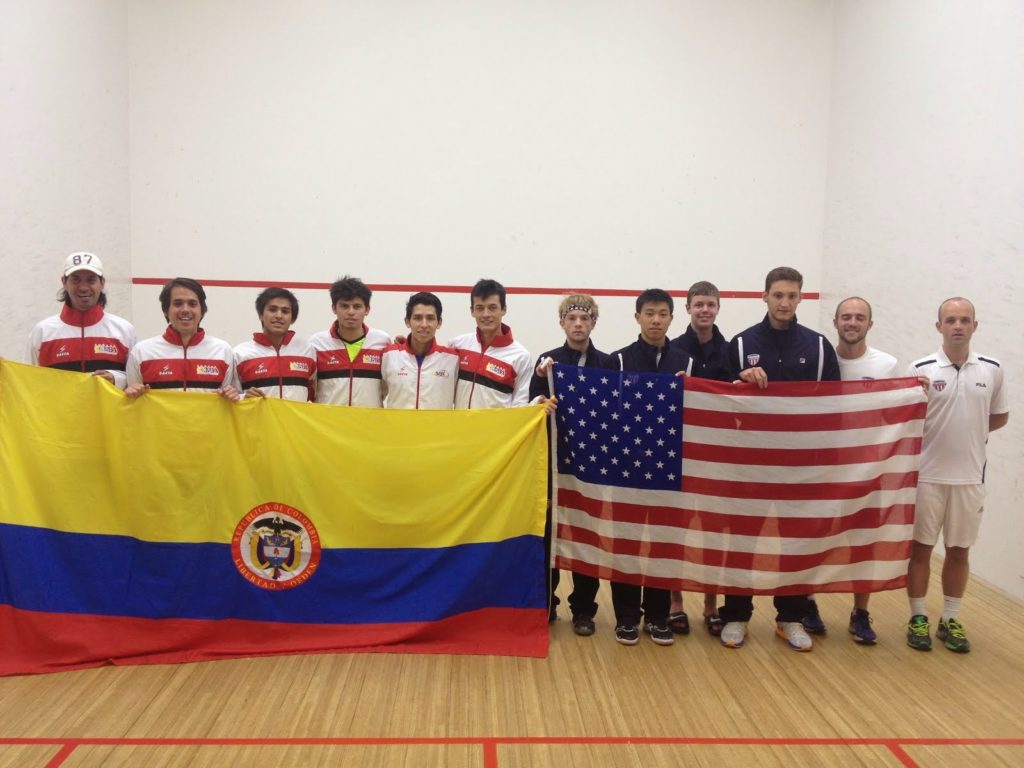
802,487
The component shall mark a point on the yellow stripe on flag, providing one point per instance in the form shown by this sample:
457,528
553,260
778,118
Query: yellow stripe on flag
77,455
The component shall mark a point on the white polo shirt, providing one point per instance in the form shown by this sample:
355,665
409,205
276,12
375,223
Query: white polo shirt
873,364
956,427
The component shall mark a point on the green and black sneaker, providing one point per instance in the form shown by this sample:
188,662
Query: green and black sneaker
918,636
952,635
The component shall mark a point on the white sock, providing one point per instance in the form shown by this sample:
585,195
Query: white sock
917,606
950,607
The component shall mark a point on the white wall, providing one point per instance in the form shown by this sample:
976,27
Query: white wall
576,144
63,153
926,201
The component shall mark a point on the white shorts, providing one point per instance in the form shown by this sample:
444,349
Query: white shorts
953,509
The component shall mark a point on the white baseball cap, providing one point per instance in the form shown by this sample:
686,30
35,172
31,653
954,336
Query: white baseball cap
90,262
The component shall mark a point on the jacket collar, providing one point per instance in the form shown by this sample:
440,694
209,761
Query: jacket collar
502,339
174,337
261,338
72,316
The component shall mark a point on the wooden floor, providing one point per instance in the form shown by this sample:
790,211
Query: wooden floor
591,703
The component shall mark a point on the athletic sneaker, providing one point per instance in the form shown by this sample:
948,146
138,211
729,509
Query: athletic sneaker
660,633
918,636
952,635
734,634
812,619
627,634
860,627
583,625
793,632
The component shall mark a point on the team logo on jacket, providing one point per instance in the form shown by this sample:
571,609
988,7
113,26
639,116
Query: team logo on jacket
371,359
496,370
275,547
298,365
753,360
104,349
207,370
939,384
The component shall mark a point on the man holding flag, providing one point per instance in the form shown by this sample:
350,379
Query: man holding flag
777,349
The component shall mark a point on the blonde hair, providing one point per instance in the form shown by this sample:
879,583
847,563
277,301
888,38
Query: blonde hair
580,301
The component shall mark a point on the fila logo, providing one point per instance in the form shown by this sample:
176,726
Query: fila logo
980,384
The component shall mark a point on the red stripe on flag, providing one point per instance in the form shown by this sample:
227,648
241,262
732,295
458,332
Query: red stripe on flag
802,422
801,457
799,388
740,525
849,586
47,640
880,551
798,492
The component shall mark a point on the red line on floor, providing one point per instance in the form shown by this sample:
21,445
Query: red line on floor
498,740
491,753
62,754
902,756
410,288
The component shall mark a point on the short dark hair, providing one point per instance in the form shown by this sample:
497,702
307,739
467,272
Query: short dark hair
655,296
274,292
486,287
703,288
425,298
181,282
348,288
783,273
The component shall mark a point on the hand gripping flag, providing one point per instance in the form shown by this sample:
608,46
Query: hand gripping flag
685,483
181,527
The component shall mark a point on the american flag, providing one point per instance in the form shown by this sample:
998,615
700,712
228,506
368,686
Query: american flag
685,483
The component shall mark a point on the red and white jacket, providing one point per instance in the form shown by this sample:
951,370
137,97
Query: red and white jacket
162,362
82,341
286,373
429,385
497,376
340,381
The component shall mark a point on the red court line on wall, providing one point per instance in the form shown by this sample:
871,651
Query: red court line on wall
399,288
490,744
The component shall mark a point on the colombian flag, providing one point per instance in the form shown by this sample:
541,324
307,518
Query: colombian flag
181,527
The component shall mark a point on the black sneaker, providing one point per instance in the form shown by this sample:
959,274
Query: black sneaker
583,625
660,633
627,634
812,619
